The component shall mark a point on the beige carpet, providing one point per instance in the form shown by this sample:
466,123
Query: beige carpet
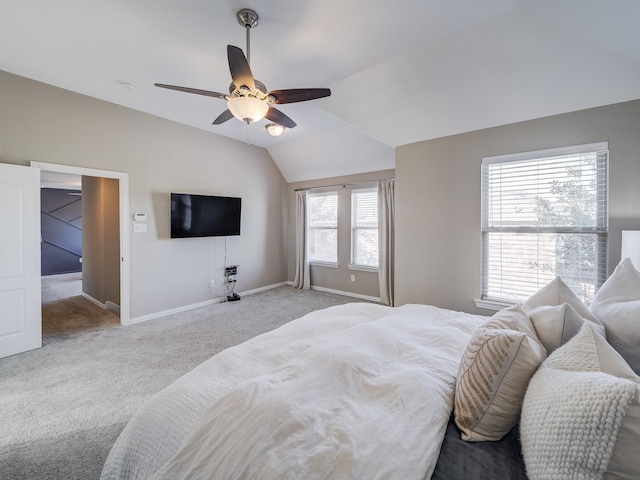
65,311
63,406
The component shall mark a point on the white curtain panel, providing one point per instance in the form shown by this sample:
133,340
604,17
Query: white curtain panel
386,235
302,278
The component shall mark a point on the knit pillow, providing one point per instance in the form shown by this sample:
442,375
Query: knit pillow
617,305
581,414
492,379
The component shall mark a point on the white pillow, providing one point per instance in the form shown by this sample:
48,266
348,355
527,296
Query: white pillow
581,414
556,293
512,318
493,377
558,314
617,305
556,325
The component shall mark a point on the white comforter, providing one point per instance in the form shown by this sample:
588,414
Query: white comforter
355,391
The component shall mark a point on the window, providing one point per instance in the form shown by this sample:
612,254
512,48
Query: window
323,227
544,214
364,227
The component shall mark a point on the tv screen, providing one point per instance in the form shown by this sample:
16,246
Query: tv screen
204,215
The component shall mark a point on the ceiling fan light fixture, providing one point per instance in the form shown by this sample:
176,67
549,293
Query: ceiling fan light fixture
274,129
248,99
247,109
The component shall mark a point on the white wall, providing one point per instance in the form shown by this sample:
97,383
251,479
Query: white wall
42,123
438,247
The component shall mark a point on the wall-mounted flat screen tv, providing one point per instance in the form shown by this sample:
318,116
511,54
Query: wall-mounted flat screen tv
204,215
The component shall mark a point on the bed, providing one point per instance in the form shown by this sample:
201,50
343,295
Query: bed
365,391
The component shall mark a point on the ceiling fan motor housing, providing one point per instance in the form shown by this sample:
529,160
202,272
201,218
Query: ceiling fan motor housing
260,87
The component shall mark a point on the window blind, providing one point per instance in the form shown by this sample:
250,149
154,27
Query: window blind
544,214
364,227
322,227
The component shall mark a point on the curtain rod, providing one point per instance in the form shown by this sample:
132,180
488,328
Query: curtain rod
343,185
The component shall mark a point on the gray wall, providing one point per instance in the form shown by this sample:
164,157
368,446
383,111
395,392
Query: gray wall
42,123
101,239
366,283
438,197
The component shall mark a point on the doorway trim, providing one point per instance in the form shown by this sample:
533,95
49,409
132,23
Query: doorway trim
123,182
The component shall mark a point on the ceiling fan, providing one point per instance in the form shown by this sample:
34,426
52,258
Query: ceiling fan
248,98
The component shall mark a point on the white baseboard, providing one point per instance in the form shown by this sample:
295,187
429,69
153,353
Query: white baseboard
114,307
262,289
344,294
172,311
184,308
93,300
347,294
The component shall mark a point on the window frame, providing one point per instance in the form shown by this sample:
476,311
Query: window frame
600,230
310,227
354,227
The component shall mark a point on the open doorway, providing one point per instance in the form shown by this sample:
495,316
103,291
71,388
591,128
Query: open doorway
76,300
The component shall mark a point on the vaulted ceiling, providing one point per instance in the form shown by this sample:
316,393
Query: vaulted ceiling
399,71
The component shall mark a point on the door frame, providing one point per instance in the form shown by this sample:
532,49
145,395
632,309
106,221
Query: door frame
123,192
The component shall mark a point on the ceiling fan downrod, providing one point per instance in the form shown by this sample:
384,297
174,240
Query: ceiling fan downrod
248,19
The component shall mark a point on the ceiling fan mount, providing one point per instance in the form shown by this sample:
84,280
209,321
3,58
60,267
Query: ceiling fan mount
248,98
247,18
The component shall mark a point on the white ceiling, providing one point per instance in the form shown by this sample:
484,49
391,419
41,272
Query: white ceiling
400,71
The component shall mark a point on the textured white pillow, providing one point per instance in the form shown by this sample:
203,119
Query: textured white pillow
581,414
617,305
558,314
493,377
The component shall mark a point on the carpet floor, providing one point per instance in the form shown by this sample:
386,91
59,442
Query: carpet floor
62,406
65,311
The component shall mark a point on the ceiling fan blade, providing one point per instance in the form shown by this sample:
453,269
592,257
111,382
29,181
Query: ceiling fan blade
223,117
293,95
192,90
280,118
239,67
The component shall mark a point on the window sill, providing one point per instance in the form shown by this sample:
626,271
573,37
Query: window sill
362,268
325,264
494,305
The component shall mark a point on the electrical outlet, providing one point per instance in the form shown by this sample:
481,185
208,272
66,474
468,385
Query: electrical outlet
353,278
212,283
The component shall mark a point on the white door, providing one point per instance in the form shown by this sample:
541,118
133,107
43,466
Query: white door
20,309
